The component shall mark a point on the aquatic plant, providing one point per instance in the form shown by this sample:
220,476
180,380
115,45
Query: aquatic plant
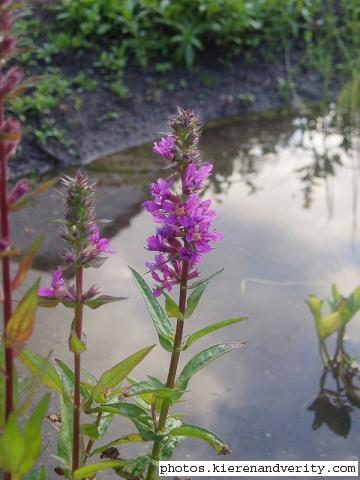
333,406
85,249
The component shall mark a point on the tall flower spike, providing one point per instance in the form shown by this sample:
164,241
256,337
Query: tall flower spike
184,220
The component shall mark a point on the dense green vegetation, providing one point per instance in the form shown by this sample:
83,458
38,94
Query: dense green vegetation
317,35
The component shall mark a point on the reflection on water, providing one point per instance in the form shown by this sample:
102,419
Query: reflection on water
268,169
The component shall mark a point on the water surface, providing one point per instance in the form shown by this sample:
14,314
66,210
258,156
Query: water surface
286,192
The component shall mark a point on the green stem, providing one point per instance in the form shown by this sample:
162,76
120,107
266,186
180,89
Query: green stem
77,398
174,362
91,441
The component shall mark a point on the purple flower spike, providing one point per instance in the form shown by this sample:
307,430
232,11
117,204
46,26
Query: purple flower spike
165,147
184,221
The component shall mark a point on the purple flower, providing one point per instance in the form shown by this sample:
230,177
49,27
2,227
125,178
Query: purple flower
165,147
184,221
101,244
194,179
57,289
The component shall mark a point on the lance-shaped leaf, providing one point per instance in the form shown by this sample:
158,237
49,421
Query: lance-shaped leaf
43,369
115,375
194,298
172,308
25,264
12,446
67,377
211,438
89,471
202,359
205,280
130,438
209,329
64,448
32,436
21,324
102,300
351,306
140,417
90,430
157,313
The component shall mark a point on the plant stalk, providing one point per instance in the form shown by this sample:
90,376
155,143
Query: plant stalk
91,441
77,364
7,306
174,362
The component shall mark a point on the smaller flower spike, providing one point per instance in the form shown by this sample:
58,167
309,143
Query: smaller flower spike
86,248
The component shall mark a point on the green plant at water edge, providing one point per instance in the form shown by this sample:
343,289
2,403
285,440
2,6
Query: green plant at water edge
342,310
333,405
79,390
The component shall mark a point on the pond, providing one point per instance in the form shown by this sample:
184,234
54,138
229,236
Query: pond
286,192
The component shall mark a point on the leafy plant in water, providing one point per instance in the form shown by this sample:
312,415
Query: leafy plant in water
183,236
333,406
86,249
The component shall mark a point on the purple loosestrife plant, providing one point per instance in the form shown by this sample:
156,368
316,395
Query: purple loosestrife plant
85,249
184,234
16,458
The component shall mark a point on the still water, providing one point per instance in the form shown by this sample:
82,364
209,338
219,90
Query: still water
286,193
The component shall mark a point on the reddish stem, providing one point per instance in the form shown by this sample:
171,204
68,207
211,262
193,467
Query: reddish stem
77,399
7,306
5,237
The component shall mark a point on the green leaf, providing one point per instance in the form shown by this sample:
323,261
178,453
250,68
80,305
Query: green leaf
21,323
202,359
112,377
102,300
205,280
325,325
130,438
140,417
64,448
211,438
172,308
25,264
68,381
42,368
194,298
39,474
90,470
75,344
352,306
32,436
90,430
211,328
47,302
12,446
159,317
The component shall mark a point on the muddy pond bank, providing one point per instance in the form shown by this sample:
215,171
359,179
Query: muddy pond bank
106,124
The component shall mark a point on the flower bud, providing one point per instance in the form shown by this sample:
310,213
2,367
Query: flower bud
21,188
7,46
11,126
6,21
10,81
